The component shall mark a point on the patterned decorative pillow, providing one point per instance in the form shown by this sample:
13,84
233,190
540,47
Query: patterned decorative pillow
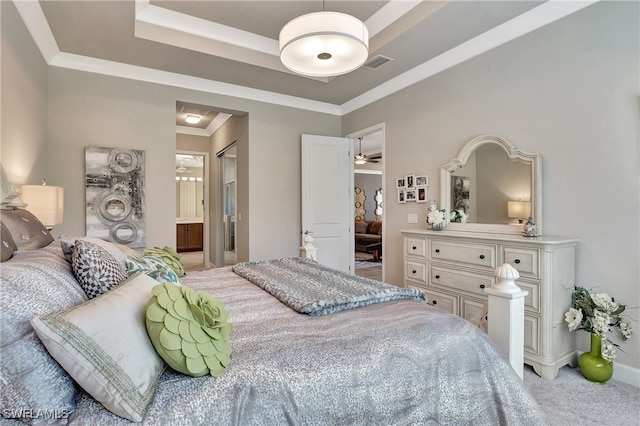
96,270
27,231
154,267
118,251
8,245
103,344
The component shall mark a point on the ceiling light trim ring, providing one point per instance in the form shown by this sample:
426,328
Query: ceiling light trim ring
320,33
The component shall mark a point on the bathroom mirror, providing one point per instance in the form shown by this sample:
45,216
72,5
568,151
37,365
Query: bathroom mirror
488,174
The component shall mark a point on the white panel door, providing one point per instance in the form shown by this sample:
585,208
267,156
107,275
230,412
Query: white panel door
327,198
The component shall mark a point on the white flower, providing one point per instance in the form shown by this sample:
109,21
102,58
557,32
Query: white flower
600,323
435,216
574,318
604,301
626,330
608,351
464,217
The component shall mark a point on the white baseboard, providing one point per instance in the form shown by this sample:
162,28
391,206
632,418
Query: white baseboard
624,373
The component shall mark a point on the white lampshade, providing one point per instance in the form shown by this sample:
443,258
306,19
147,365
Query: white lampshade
324,44
45,202
518,209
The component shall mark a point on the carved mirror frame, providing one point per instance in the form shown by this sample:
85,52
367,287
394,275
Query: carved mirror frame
535,160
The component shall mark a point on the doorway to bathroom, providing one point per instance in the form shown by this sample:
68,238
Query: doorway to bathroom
191,217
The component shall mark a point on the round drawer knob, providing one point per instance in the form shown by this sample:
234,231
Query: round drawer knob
414,271
437,277
435,302
437,250
517,260
481,285
482,256
414,248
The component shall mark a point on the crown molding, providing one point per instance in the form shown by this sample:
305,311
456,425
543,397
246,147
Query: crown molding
193,131
150,75
548,12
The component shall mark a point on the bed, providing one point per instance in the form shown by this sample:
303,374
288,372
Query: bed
399,362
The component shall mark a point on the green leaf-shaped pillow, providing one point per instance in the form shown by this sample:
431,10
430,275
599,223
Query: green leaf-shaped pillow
189,330
169,256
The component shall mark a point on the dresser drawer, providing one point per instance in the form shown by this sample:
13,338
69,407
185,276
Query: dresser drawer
472,310
463,253
460,280
531,335
526,261
446,302
531,300
416,247
416,271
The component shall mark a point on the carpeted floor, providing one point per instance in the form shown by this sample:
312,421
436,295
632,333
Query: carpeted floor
365,266
570,399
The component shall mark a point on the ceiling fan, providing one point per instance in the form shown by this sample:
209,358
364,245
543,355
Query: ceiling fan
182,168
360,158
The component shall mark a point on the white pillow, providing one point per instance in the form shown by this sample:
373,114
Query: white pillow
103,344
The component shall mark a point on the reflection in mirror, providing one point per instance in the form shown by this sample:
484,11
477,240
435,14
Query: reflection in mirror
484,186
189,188
493,186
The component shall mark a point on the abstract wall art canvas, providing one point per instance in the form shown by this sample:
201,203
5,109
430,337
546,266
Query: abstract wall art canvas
115,195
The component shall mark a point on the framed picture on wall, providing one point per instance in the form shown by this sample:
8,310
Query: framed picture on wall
411,195
115,196
411,181
421,196
400,183
422,180
402,196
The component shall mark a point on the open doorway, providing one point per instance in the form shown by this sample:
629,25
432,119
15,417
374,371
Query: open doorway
191,209
369,202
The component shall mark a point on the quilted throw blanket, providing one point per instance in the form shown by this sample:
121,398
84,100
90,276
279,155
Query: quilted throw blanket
310,288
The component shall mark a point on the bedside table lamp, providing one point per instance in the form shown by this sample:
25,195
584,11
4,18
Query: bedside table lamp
45,202
519,210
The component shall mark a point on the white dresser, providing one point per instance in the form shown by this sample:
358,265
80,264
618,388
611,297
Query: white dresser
454,268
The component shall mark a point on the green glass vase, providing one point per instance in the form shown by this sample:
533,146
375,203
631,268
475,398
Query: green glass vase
592,365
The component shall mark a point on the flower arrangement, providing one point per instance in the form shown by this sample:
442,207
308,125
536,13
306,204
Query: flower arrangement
597,313
435,217
458,216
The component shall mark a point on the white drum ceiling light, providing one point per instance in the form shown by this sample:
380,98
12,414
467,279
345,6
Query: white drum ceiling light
324,44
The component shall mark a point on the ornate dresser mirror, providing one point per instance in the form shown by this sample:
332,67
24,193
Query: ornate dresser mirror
495,185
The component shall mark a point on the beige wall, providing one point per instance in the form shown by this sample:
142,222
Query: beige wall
86,109
89,109
23,104
233,130
568,91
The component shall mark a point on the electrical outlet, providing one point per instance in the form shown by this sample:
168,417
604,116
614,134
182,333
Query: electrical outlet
412,218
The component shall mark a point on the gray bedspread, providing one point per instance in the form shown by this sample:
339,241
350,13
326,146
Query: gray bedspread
311,288
393,363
